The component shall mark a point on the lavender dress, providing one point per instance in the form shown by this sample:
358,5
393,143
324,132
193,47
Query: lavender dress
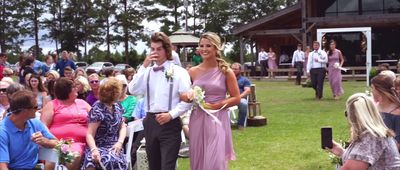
106,136
210,143
334,74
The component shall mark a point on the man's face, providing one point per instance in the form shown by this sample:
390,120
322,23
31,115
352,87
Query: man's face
68,74
316,46
158,50
3,59
64,55
3,88
236,69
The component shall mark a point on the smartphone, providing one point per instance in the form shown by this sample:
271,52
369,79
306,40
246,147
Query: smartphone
326,137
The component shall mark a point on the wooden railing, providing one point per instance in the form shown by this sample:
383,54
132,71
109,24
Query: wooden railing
353,72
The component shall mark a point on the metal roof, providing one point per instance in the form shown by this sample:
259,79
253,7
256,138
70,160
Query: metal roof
182,38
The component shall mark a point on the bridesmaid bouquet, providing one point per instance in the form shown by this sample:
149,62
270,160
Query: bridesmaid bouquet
197,95
65,155
337,66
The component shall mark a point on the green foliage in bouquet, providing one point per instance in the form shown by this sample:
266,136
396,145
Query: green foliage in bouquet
65,155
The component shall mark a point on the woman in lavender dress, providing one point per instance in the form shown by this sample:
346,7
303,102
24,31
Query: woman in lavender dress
272,61
210,139
335,60
106,130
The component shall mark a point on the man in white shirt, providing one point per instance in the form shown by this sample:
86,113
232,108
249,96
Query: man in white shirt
263,61
298,61
175,56
316,68
161,85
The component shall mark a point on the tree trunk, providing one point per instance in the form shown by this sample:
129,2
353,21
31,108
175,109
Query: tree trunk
126,33
108,39
36,28
60,20
2,36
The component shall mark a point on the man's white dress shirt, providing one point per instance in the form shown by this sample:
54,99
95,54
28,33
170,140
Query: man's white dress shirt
175,57
298,56
159,88
262,56
317,59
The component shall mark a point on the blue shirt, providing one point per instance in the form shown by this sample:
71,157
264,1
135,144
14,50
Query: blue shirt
243,82
61,64
39,67
139,112
16,147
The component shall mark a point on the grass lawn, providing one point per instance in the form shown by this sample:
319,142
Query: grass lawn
291,140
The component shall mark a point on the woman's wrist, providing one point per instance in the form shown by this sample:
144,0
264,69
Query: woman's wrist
93,149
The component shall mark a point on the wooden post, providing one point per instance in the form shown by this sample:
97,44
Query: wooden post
241,50
303,23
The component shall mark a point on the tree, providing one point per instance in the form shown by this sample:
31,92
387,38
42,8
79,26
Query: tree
53,23
127,25
105,10
11,14
33,10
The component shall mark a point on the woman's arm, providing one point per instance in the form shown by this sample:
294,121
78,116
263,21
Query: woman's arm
341,59
122,135
355,165
44,98
47,114
233,91
91,133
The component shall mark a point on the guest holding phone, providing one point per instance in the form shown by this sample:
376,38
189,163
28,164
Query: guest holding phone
372,144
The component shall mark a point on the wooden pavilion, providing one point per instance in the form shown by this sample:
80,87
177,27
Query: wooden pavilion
299,23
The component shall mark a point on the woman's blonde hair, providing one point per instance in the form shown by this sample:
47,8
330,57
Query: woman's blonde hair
217,43
364,117
110,90
84,82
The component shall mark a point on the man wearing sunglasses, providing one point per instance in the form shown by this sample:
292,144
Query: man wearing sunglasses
161,85
21,135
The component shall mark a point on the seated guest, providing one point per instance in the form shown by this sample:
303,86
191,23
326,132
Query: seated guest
69,73
9,91
128,102
21,135
36,86
52,75
93,95
107,130
244,87
372,145
397,85
26,68
384,93
80,72
4,103
8,72
66,117
83,87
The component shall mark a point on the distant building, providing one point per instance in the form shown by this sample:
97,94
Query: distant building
284,29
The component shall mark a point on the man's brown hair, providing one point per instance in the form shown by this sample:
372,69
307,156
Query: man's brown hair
166,42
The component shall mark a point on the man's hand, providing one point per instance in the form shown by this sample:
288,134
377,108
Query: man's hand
39,139
151,57
163,118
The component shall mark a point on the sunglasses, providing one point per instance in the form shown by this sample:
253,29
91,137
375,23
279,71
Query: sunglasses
3,90
345,113
94,82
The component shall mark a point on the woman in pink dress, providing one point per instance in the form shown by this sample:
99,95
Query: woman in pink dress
335,60
211,142
66,118
272,61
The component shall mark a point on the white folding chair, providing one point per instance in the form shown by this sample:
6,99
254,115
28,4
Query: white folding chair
50,155
232,115
132,127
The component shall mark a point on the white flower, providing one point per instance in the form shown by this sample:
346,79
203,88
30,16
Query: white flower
169,74
336,65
